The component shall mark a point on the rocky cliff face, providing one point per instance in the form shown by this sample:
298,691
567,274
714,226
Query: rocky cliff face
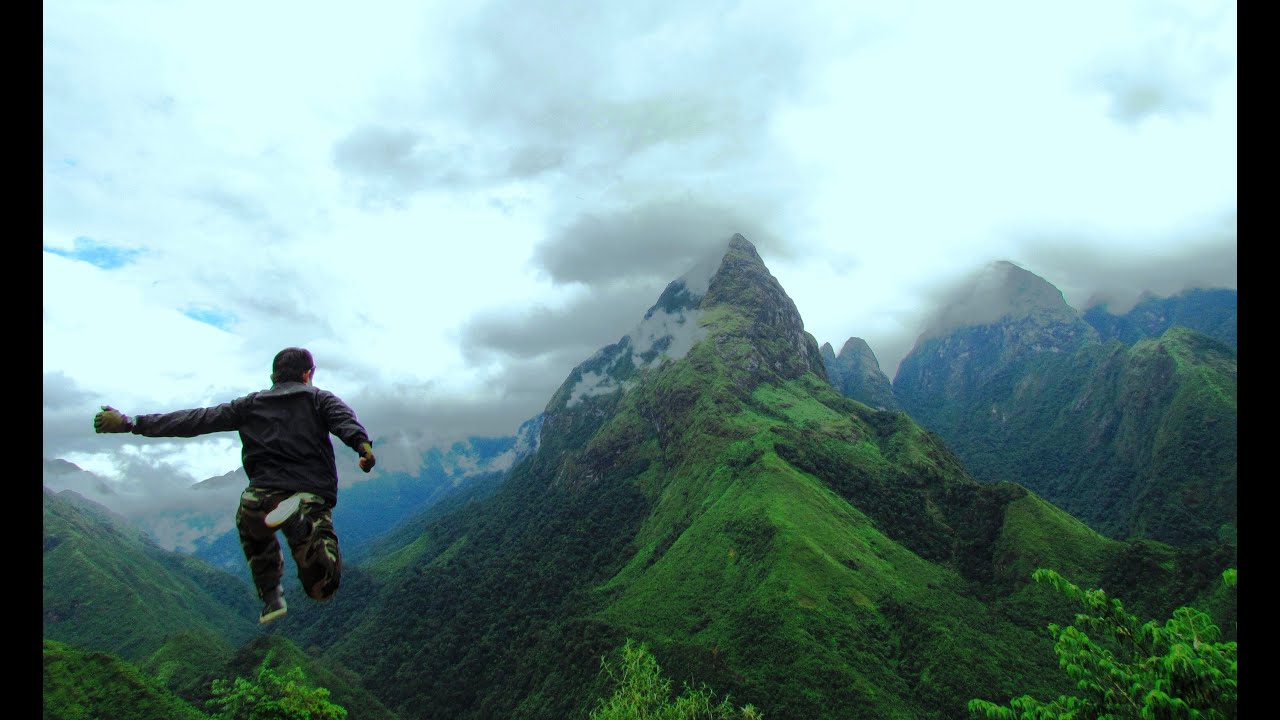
856,374
780,346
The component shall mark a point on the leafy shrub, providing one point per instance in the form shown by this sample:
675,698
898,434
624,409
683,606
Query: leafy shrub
643,694
272,695
1131,669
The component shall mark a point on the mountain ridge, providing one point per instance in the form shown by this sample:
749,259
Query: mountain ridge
102,575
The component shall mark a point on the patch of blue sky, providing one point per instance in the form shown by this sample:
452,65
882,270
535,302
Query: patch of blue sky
220,319
107,257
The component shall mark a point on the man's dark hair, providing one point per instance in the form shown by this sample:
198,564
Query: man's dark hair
290,363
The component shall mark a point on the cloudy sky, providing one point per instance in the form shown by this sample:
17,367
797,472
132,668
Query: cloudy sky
453,204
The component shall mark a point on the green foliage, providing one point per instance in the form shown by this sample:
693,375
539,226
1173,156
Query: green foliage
1039,534
642,693
84,685
1129,669
284,656
272,695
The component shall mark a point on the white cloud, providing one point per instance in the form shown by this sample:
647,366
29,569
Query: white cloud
409,189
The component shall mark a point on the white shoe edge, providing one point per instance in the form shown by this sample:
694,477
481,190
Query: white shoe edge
264,619
283,511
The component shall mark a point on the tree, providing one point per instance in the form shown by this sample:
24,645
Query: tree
1129,669
272,696
643,694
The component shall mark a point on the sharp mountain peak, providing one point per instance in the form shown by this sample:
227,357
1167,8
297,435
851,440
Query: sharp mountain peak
734,281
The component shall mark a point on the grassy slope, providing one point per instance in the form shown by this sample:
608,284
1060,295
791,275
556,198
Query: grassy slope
781,590
176,681
187,664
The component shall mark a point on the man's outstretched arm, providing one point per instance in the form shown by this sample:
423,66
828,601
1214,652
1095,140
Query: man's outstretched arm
181,423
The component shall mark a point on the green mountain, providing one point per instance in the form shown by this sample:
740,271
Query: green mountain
80,684
856,373
1137,441
699,486
108,587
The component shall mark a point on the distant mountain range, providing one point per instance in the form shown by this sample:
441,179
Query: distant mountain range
369,509
1211,311
1127,422
201,522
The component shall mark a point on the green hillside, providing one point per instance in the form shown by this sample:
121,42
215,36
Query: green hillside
188,663
107,587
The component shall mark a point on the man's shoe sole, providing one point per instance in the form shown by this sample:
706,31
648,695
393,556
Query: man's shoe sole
283,511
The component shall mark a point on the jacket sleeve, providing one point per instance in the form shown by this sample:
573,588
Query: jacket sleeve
190,423
342,420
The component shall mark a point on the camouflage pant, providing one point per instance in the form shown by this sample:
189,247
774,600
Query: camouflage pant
311,540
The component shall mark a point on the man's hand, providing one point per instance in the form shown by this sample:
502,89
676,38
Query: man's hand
367,461
111,420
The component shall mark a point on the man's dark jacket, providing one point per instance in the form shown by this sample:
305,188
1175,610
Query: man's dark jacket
284,431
